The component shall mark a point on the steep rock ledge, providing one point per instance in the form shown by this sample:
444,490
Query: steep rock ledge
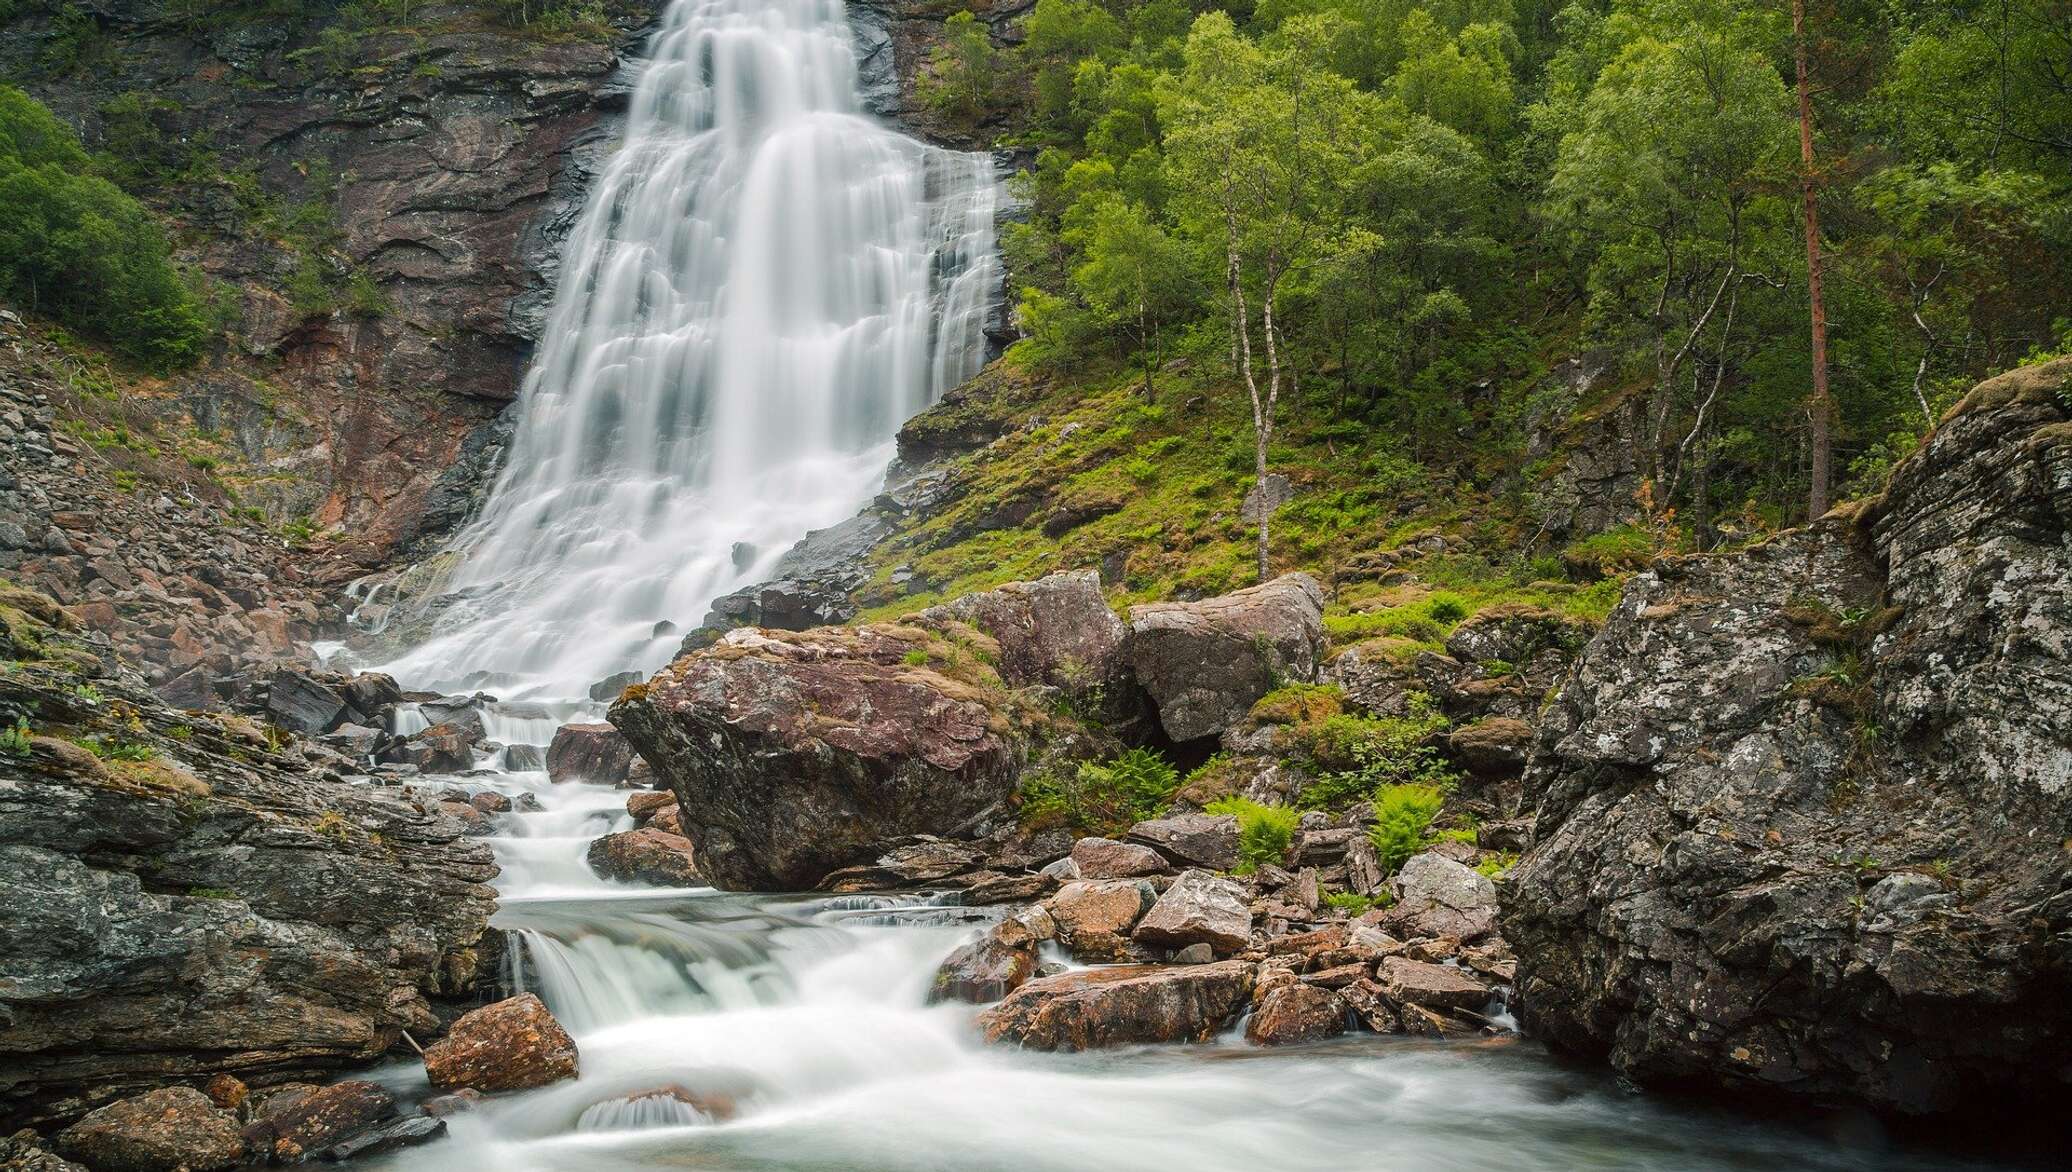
1804,808
189,896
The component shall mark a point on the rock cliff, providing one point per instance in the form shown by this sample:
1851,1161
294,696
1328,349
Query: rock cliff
1803,809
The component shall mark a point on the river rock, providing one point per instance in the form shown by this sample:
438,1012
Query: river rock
317,1120
1093,1008
596,753
1199,908
794,754
608,688
1205,663
301,701
24,1151
1202,840
1105,858
648,855
159,1131
1437,896
1758,743
395,1134
645,804
1296,1013
1434,986
1099,906
513,1045
442,748
983,970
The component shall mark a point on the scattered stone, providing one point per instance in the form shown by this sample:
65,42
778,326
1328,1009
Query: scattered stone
1194,954
1093,1008
1199,908
24,1151
1088,908
289,1134
512,1045
983,971
524,758
1439,897
647,855
158,1131
298,701
452,1103
645,804
1434,986
408,1131
607,689
595,753
1202,840
441,748
1296,1013
226,1091
1104,858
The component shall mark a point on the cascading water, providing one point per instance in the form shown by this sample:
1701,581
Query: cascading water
765,283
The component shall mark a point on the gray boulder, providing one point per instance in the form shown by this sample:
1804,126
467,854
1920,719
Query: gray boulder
1094,1008
1202,840
1767,763
1436,896
159,1131
1105,858
1205,663
1199,908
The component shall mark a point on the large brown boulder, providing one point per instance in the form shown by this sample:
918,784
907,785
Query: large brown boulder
1205,663
308,1123
984,970
1803,807
595,753
1199,908
512,1045
1296,1013
1105,858
648,855
1094,916
794,754
1093,1008
174,1128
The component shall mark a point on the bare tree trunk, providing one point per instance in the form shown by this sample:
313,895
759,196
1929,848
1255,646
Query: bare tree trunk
1820,409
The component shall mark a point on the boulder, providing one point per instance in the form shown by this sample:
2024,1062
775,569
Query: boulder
1093,1008
311,1122
442,748
1202,840
159,1131
305,702
513,1045
906,865
25,1151
647,855
1296,1013
1436,987
371,691
645,804
1058,630
405,1132
607,689
1494,746
1093,916
796,754
1205,663
1199,908
983,970
1763,754
1105,858
524,758
1439,897
596,753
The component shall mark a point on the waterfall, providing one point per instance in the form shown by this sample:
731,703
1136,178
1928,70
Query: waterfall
764,284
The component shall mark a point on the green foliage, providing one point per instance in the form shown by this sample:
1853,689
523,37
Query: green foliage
112,749
1497,865
73,245
1354,905
962,73
14,741
1402,822
1103,798
1264,832
1353,755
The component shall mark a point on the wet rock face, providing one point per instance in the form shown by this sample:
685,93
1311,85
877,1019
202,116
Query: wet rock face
309,1123
512,1045
1205,663
794,755
596,753
160,1131
647,855
1296,1013
1804,806
1094,1008
175,912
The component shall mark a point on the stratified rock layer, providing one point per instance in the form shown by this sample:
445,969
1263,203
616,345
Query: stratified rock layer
1804,807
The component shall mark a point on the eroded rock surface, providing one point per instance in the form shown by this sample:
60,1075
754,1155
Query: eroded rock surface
1804,806
1205,663
1115,1006
512,1045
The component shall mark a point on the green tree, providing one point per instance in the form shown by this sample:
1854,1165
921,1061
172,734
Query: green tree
962,70
1135,277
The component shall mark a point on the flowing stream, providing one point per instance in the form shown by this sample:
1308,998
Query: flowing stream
764,285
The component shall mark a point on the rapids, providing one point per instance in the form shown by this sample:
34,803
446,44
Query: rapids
764,285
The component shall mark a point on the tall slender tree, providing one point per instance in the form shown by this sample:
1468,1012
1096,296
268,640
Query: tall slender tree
1820,408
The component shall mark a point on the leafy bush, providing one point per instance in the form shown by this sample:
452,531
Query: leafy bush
73,245
1102,798
1264,832
1354,755
1402,822
1446,608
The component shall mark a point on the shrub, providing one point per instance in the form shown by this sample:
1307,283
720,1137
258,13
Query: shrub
74,246
1299,704
1102,798
1264,832
1402,822
1444,608
1354,755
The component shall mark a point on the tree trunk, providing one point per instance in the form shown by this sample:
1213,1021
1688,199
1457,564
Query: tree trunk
1820,409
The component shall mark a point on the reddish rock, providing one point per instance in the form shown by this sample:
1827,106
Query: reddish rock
1199,908
1432,986
454,1103
647,803
1094,916
288,1134
647,855
1296,1013
1093,1008
1104,858
983,970
512,1045
159,1131
226,1091
596,753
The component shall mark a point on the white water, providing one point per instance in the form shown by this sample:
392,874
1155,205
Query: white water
765,283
